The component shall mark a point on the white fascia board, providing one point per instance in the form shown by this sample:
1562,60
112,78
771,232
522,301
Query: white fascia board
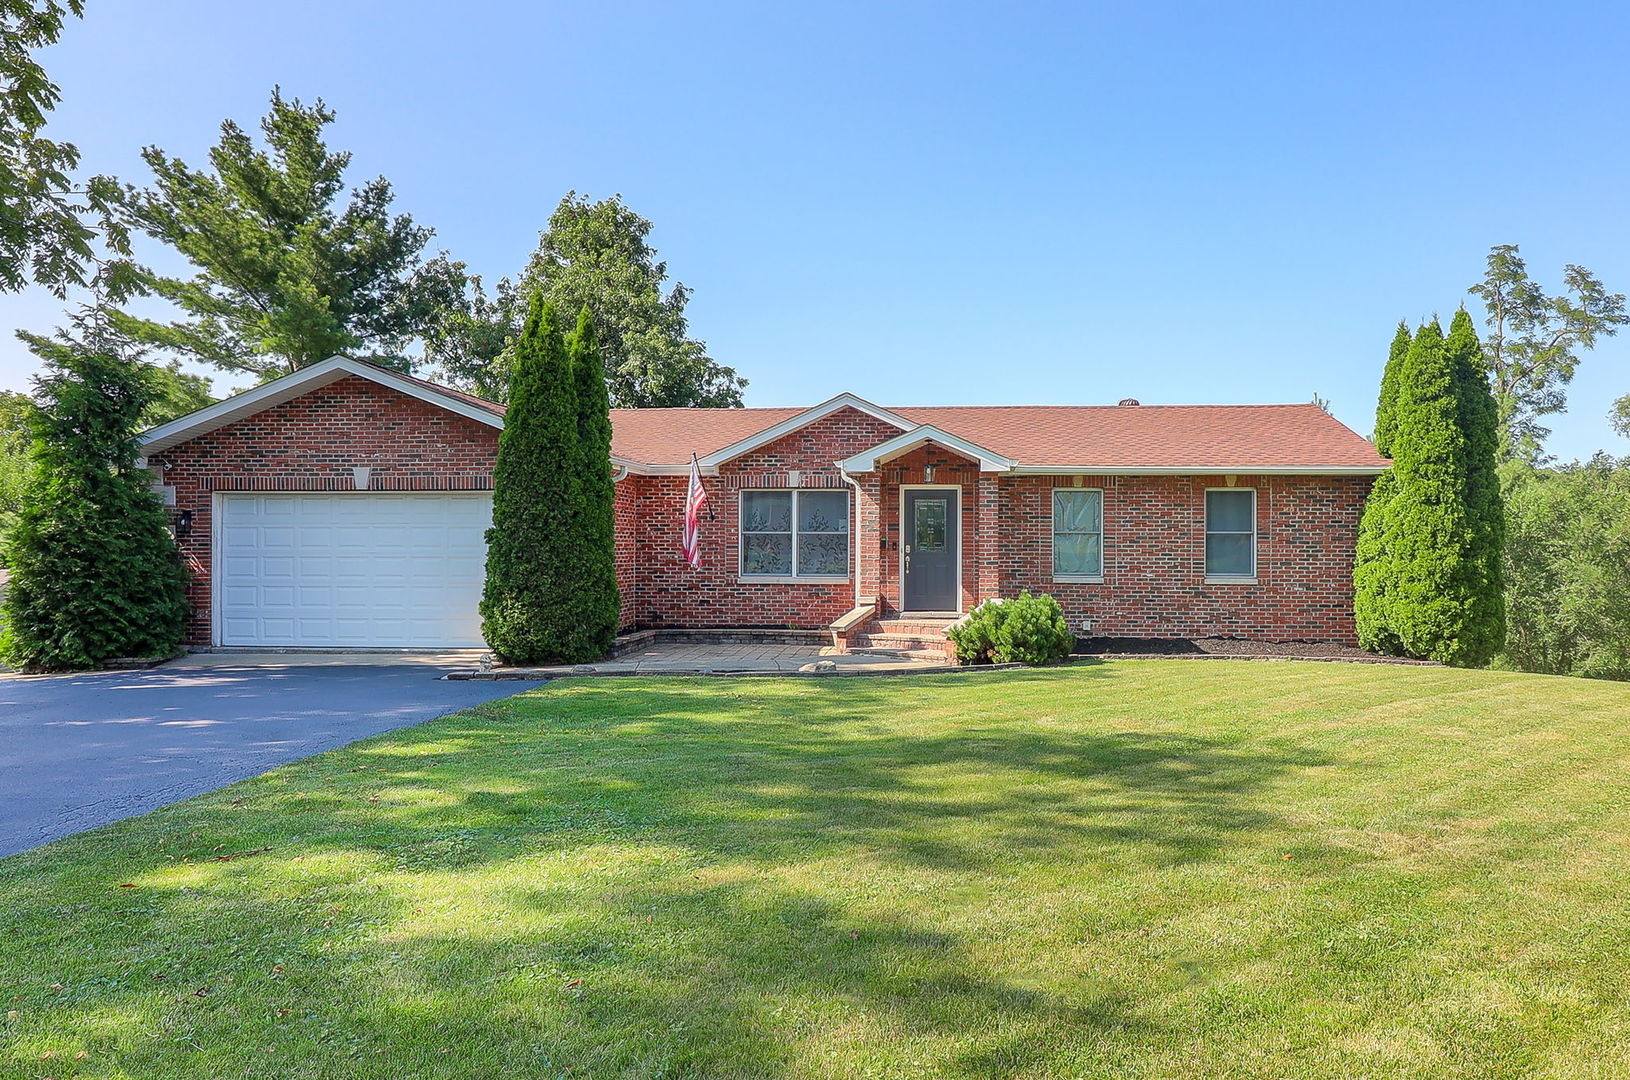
793,423
293,385
1205,470
908,441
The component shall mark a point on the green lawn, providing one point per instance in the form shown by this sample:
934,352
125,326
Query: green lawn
1130,869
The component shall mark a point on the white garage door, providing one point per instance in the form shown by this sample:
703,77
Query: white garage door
352,569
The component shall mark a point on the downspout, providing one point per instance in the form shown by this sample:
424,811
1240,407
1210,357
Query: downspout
854,540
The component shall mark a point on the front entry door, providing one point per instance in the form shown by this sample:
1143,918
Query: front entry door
929,562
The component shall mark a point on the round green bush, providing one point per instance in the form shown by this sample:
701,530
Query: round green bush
1027,630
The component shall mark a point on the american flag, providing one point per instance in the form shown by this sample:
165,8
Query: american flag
695,499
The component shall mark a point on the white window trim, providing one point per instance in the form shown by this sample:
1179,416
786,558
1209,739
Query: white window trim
794,578
1052,535
1256,539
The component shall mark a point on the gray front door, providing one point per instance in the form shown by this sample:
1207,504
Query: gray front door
930,555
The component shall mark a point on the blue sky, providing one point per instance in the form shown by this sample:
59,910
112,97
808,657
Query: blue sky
952,203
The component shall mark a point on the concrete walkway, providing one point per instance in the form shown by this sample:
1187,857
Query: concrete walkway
673,658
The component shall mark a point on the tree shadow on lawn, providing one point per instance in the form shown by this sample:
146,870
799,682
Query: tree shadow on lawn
823,772
667,879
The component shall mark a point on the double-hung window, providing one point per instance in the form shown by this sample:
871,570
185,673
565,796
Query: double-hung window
1078,533
1231,534
795,534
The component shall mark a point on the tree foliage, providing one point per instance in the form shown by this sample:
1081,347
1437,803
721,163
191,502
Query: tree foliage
1567,566
287,275
16,433
1482,580
529,613
95,572
596,255
1619,417
49,224
1422,578
1534,340
1388,399
596,536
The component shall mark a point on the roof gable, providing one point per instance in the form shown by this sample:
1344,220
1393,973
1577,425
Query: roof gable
908,441
302,382
803,419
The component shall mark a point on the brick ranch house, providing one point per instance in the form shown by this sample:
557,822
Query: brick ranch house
345,506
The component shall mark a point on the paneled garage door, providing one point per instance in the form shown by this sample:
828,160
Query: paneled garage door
351,569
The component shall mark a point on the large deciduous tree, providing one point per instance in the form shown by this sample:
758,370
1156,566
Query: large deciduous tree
1567,563
16,433
49,222
287,273
596,255
528,611
95,572
1534,340
1424,584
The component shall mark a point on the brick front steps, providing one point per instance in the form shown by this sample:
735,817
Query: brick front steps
917,638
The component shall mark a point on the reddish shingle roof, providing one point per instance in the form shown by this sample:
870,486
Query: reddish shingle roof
671,436
1086,437
1242,437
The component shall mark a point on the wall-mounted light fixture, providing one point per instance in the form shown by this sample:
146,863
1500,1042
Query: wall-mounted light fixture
183,524
928,473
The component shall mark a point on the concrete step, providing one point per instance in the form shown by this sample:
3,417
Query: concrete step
932,656
880,640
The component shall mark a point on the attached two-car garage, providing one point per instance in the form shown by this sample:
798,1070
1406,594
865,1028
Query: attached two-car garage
350,569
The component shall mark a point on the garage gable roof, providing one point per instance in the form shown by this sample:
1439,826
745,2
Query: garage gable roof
304,381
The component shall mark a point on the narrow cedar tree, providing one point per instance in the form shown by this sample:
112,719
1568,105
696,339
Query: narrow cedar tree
1484,580
1389,389
1426,532
528,608
596,529
95,571
1370,569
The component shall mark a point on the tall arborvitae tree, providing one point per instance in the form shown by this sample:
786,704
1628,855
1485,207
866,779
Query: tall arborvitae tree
95,571
529,612
1370,566
1483,632
1422,576
596,586
1388,400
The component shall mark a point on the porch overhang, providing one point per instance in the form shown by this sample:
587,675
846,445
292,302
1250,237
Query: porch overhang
907,441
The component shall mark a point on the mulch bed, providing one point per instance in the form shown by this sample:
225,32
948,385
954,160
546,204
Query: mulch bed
1212,647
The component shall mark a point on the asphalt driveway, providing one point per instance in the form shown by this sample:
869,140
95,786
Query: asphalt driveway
80,751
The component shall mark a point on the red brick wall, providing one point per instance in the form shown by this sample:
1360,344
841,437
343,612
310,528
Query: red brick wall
669,592
311,444
950,470
625,515
1154,557
1154,546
